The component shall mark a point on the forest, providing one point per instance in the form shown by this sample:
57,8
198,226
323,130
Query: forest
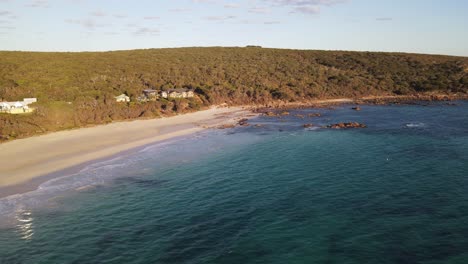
78,89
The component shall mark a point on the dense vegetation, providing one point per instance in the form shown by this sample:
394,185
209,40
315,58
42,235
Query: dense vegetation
78,89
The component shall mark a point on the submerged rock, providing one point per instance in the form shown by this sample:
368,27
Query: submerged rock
270,114
243,122
226,126
347,125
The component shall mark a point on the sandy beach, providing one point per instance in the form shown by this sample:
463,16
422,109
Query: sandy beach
24,160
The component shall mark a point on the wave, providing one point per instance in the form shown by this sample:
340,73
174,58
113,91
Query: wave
414,125
139,162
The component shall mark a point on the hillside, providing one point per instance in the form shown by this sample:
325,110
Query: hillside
78,89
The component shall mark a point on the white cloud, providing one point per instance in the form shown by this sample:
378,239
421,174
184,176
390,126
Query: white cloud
98,14
151,18
145,31
231,5
311,10
259,10
39,4
5,13
310,7
89,24
219,18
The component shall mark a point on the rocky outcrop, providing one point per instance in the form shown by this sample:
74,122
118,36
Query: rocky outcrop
271,114
243,122
347,125
226,126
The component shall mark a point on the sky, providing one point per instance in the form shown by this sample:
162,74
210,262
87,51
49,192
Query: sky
415,26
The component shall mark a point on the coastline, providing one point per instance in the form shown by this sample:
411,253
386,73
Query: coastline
26,163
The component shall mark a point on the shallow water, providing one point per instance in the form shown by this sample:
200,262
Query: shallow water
392,193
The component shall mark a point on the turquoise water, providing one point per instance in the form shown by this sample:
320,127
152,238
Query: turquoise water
395,192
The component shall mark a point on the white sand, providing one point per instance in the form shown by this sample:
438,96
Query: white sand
24,159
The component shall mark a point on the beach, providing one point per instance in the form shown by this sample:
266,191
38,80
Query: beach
24,160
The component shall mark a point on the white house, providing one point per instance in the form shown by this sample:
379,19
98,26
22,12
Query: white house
178,93
122,98
28,101
4,106
15,105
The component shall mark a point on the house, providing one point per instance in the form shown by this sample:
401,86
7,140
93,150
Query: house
150,93
123,98
17,107
4,106
142,98
28,101
180,93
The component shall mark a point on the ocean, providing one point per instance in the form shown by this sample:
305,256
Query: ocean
394,192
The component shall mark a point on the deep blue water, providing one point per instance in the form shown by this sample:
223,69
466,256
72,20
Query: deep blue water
395,192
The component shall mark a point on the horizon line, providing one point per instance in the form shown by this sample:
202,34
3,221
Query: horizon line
246,46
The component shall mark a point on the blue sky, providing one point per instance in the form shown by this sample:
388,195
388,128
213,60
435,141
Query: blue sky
420,26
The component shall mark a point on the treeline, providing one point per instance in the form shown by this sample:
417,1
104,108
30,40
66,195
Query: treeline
78,89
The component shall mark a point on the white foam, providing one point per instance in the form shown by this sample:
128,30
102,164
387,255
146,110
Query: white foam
415,125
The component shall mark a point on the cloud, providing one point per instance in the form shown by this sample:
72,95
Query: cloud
7,27
5,13
231,5
259,10
98,14
89,24
306,2
219,18
151,18
205,1
180,10
119,16
310,10
144,31
384,19
39,4
310,7
271,22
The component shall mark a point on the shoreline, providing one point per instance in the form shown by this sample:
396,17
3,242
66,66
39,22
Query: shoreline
27,163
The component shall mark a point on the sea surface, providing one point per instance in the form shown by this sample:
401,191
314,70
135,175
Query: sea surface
395,192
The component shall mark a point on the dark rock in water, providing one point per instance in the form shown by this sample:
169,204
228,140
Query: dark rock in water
226,126
357,108
270,114
243,122
347,125
308,125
